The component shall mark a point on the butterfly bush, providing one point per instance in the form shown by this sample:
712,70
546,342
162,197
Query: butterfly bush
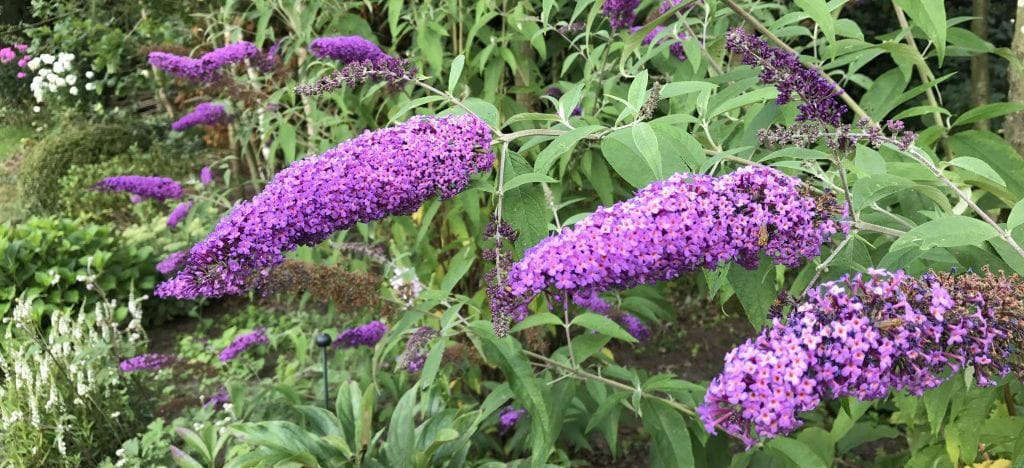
865,336
415,355
178,214
386,172
172,262
207,67
509,417
346,49
142,187
670,4
783,69
242,343
146,362
206,113
676,49
632,324
621,14
670,227
364,335
206,176
384,69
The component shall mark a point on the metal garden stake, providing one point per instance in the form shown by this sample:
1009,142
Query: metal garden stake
323,341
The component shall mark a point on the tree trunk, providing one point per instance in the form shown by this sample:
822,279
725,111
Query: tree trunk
1013,126
979,63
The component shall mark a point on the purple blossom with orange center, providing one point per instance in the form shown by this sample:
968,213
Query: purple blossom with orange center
509,417
146,362
206,67
172,262
364,335
346,49
207,113
784,70
676,49
178,214
621,14
671,227
142,187
380,173
863,336
244,342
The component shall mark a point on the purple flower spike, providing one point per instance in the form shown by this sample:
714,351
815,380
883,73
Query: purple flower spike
621,14
206,67
142,187
865,336
172,262
206,113
415,354
784,70
244,342
381,173
346,49
178,214
146,362
509,417
218,400
206,176
671,227
363,335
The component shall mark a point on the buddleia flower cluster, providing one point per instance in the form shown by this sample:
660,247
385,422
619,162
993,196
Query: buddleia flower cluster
671,227
207,67
864,336
142,187
363,335
509,417
146,362
172,262
206,113
178,214
621,14
346,49
380,173
242,343
415,355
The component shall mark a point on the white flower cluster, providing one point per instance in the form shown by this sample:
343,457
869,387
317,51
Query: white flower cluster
406,284
54,73
48,371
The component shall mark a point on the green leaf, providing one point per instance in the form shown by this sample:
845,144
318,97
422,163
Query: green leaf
529,178
603,325
401,444
757,95
183,459
647,142
752,289
948,231
534,320
195,443
936,402
978,167
930,16
670,438
433,363
995,151
819,12
1016,217
565,142
987,112
637,92
680,88
798,452
458,267
456,72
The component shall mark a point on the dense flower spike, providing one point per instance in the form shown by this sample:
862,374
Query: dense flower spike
415,355
346,49
621,13
865,336
172,262
242,343
142,187
784,70
364,335
178,214
632,324
206,113
206,176
509,417
385,69
671,227
676,48
206,67
146,362
381,173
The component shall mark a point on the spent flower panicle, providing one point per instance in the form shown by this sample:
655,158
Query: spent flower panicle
385,69
364,335
244,342
784,70
206,113
415,355
142,187
670,227
864,336
380,173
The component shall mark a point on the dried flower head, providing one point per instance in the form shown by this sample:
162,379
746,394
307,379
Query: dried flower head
326,283
385,69
415,354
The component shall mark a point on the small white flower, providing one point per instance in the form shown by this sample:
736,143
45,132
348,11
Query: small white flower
144,73
34,64
90,86
53,88
89,74
71,79
58,67
115,414
36,109
73,90
47,58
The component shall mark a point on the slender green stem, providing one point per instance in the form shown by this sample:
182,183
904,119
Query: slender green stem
870,227
925,74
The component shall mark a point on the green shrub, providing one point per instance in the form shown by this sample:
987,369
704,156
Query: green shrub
66,147
46,259
77,199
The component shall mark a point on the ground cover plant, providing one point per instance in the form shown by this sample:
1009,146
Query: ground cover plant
487,233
